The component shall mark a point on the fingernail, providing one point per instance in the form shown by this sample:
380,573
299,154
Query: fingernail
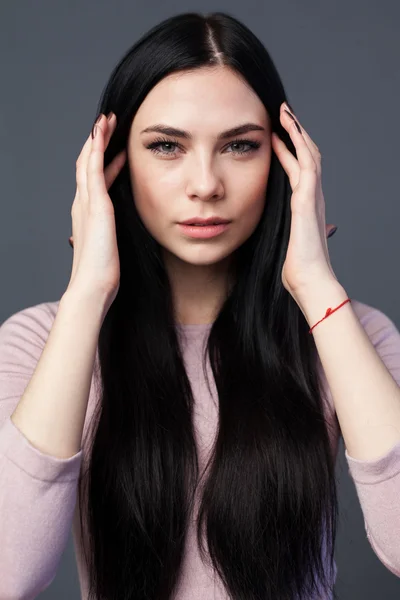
332,232
289,107
293,119
109,116
290,114
95,123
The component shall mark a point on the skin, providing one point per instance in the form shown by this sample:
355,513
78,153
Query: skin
202,177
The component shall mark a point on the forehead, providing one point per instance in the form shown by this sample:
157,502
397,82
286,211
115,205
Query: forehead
204,99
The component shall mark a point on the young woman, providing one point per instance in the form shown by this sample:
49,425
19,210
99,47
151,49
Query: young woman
176,385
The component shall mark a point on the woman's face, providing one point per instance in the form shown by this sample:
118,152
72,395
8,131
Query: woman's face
203,175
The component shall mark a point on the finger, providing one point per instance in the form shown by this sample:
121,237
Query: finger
289,118
114,168
81,163
305,155
96,185
309,177
111,173
289,162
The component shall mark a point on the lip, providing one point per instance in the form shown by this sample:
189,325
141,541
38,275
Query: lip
209,221
205,231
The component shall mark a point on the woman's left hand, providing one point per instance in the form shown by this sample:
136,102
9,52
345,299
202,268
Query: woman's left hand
307,262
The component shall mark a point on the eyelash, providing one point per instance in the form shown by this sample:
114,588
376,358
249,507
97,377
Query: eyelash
153,147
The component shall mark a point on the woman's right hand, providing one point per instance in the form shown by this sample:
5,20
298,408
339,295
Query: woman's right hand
96,267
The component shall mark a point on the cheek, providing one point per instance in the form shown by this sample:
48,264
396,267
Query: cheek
148,199
252,199
251,212
151,211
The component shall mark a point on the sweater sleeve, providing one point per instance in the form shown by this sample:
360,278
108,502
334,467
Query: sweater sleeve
377,482
37,491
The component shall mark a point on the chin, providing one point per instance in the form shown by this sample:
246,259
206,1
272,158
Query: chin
201,255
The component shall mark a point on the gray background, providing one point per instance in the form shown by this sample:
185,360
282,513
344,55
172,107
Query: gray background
339,62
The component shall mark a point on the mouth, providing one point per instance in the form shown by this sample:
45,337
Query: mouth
203,231
208,222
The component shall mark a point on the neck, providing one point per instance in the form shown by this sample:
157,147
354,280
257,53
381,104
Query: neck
198,290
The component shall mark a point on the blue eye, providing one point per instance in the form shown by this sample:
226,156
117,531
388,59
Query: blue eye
154,146
253,145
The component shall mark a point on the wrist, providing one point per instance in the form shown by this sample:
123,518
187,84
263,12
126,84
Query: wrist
316,300
93,304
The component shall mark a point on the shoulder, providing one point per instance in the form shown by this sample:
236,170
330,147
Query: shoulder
26,330
370,315
377,324
383,334
36,316
23,336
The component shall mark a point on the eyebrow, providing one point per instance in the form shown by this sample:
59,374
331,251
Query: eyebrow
173,131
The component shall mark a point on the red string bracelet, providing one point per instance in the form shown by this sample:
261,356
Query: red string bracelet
329,312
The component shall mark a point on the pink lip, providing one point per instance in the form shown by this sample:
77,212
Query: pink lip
214,220
203,231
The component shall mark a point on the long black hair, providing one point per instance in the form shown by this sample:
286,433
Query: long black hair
268,506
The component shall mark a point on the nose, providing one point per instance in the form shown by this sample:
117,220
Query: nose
204,183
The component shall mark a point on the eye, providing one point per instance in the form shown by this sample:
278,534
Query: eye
252,144
155,146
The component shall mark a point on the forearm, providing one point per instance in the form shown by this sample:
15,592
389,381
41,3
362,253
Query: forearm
51,413
365,395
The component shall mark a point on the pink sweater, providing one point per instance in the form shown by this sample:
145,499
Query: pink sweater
38,492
